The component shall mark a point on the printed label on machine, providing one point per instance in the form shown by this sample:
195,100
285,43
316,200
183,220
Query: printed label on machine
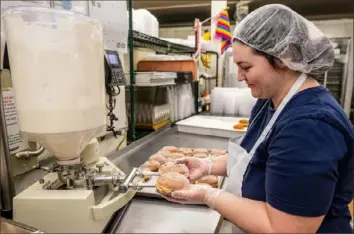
11,119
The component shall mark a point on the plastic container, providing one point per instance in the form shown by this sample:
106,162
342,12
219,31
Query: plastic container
216,107
91,153
57,70
247,104
232,102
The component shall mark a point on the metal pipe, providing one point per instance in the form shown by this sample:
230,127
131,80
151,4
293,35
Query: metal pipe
28,153
102,180
348,97
7,187
217,70
124,187
183,6
325,79
132,72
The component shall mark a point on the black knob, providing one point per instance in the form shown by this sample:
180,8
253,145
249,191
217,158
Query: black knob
99,167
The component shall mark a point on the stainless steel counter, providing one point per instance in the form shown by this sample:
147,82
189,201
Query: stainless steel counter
25,180
149,215
146,215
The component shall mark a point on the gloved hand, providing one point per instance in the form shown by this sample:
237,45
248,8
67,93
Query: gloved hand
196,194
198,167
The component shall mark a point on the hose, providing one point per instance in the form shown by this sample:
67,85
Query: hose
121,142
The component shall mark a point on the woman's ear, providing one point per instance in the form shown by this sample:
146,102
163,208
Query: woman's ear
279,63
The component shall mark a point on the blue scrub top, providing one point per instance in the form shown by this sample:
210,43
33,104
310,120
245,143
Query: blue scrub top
305,166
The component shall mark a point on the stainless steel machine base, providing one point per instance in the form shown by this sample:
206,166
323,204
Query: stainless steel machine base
69,211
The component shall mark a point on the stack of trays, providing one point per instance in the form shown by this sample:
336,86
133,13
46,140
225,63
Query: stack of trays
155,78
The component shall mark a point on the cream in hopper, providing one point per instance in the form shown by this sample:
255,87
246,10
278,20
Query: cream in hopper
58,80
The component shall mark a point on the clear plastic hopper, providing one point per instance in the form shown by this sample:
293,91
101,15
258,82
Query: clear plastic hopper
57,69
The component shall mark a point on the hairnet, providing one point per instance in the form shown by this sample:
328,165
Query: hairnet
281,32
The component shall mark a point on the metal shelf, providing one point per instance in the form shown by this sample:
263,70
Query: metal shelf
333,81
161,85
208,78
141,40
153,126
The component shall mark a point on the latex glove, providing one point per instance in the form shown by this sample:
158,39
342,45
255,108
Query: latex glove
180,201
196,194
198,167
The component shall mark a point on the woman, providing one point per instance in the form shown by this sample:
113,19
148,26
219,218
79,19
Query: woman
294,167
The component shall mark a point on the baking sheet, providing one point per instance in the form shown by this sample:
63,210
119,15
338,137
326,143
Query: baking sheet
218,126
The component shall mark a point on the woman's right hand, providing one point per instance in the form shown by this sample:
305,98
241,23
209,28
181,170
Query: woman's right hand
198,167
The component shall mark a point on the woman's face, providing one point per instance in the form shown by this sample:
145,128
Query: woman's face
263,79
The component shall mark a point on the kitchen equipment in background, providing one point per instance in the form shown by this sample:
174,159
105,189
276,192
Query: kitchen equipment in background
152,114
115,99
172,65
236,102
152,109
184,77
63,110
115,68
335,78
151,78
230,72
181,101
217,126
145,22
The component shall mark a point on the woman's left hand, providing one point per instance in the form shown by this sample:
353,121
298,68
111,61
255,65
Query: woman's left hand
196,194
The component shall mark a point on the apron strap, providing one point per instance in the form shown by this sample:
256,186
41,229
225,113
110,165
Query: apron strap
289,95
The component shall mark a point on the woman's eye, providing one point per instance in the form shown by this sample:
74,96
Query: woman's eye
244,67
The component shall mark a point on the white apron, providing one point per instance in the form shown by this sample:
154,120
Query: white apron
238,158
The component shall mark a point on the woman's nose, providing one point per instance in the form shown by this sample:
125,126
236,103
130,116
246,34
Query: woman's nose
241,76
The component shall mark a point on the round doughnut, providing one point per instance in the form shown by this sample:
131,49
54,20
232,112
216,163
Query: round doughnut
152,165
200,150
174,156
200,155
169,149
210,180
173,167
217,152
185,151
158,157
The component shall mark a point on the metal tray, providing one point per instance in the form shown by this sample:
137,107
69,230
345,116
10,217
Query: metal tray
208,125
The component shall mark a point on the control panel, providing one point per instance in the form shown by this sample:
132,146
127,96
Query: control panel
117,74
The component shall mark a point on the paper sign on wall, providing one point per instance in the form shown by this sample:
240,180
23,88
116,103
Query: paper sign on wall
11,119
114,18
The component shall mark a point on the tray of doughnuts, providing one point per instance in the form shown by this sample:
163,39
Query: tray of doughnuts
160,168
